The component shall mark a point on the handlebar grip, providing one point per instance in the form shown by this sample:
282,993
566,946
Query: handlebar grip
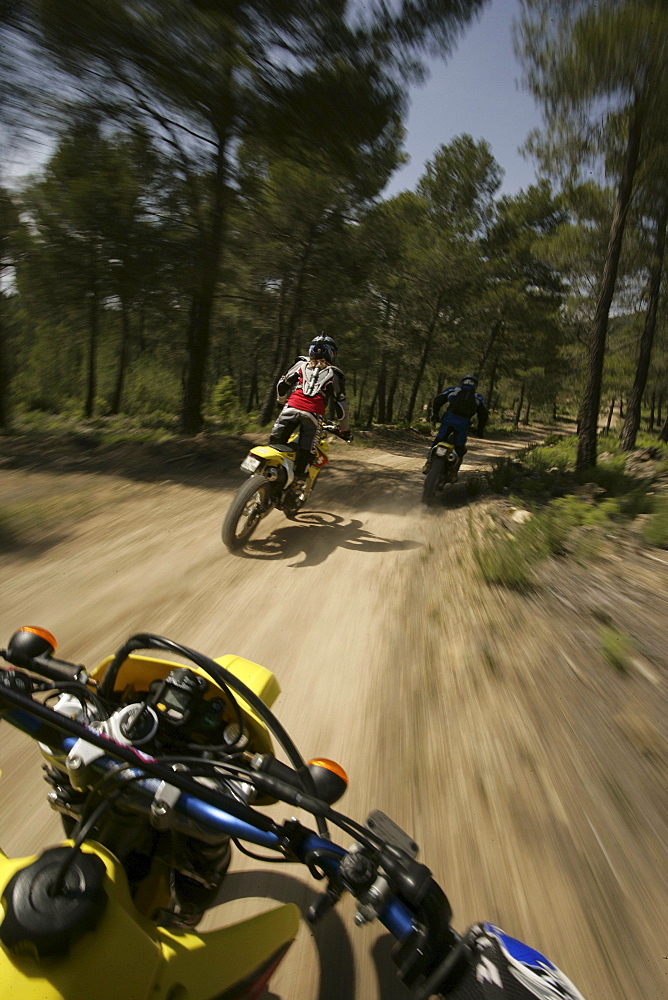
45,665
56,670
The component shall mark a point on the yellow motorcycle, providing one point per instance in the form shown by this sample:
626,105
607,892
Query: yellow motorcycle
152,767
155,767
271,486
441,468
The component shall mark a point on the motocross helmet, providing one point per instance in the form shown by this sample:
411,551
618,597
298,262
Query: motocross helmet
323,348
471,380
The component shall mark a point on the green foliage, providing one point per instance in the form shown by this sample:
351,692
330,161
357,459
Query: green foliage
545,475
503,563
655,531
616,647
225,405
507,560
152,390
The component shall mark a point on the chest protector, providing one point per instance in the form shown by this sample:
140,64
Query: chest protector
463,402
315,381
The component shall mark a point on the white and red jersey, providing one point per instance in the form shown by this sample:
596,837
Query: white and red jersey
309,387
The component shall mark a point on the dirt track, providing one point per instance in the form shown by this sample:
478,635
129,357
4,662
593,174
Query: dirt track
533,779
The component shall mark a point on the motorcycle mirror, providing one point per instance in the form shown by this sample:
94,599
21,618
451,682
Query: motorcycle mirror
329,778
32,641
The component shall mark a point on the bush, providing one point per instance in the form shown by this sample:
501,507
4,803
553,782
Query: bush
508,561
153,389
655,531
503,563
424,427
617,648
224,400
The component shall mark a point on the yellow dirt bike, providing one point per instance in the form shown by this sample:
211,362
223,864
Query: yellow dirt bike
442,468
155,767
271,486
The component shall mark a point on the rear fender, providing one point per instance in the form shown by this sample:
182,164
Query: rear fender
271,456
273,459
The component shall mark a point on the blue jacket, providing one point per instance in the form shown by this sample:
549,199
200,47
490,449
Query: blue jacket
461,404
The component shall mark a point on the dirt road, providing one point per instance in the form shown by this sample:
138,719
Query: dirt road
477,718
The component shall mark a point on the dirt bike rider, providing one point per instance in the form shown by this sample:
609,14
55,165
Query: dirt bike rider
464,403
305,390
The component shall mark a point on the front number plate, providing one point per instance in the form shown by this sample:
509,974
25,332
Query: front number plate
250,463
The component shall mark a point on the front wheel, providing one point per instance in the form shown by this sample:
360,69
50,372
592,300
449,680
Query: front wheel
436,472
251,503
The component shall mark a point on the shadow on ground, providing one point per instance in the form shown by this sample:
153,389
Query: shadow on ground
317,535
330,936
190,461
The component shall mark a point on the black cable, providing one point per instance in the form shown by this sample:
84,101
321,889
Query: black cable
83,827
222,677
279,860
83,694
81,833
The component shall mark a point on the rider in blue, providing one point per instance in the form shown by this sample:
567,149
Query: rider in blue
463,403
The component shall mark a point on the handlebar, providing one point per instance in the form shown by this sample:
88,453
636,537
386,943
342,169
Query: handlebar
334,429
407,901
380,870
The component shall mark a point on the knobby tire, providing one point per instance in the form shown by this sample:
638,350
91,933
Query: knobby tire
241,512
431,480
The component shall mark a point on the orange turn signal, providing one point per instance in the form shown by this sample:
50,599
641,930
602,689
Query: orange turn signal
42,633
329,778
331,765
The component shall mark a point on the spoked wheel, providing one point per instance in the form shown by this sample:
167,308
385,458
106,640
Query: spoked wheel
432,478
251,503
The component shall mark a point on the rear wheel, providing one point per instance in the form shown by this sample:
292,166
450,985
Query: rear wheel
431,480
251,503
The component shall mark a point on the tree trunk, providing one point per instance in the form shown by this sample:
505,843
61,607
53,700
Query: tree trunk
287,331
253,398
91,380
610,412
632,424
621,407
199,326
381,391
426,350
592,392
123,355
652,408
518,411
492,381
494,332
369,421
389,412
526,415
658,409
360,400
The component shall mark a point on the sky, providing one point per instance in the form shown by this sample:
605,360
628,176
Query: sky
478,91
